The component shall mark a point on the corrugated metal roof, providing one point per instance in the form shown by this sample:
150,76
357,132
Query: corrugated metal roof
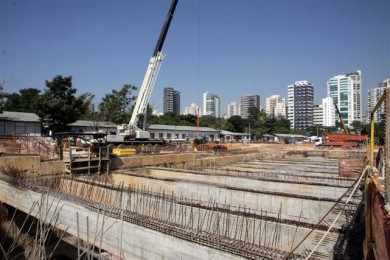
290,135
88,123
19,116
182,128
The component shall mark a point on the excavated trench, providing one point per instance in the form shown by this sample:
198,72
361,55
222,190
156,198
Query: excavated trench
253,208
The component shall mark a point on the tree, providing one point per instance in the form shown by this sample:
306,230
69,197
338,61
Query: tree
116,107
357,126
211,121
282,126
25,101
236,124
379,131
59,105
3,97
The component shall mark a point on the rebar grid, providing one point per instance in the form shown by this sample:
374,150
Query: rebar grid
277,176
219,226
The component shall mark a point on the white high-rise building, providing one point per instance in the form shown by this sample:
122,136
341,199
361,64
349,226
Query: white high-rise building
211,105
346,91
318,115
328,112
275,106
192,109
373,98
281,109
270,104
300,104
232,109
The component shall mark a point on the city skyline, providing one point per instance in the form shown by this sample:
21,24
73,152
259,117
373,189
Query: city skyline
265,62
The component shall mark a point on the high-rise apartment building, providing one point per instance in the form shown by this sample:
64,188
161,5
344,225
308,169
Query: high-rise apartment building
247,103
281,109
328,112
346,91
318,115
275,106
211,105
373,97
300,104
232,109
171,101
192,109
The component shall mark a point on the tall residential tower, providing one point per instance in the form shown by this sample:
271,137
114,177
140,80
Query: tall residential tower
275,106
171,101
346,91
211,105
232,109
373,97
300,104
328,112
247,103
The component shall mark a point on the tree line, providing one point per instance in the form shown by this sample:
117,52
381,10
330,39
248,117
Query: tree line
59,104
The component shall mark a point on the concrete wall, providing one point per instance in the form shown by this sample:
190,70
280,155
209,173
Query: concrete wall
152,160
29,164
137,242
298,209
252,185
32,165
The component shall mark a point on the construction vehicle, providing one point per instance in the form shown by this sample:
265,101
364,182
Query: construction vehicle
346,139
130,133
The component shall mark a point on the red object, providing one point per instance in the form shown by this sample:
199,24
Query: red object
197,117
344,140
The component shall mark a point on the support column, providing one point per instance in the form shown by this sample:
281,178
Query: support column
387,150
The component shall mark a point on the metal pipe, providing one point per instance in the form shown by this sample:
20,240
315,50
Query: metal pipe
372,141
372,126
387,149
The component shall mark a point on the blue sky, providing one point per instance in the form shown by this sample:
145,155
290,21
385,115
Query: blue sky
228,47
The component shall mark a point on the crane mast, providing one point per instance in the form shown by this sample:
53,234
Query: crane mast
145,92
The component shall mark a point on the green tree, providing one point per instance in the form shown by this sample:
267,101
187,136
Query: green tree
25,101
236,124
211,121
3,97
379,131
357,126
59,105
282,126
116,106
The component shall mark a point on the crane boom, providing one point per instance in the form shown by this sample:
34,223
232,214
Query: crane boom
149,81
342,125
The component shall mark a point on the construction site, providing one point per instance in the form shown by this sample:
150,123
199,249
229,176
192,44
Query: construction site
238,200
132,195
255,201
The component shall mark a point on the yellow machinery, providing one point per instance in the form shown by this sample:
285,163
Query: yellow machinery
121,151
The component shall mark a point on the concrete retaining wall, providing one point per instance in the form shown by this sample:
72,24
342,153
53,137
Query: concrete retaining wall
298,209
137,242
32,165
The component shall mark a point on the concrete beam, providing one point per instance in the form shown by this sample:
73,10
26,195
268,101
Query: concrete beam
137,242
